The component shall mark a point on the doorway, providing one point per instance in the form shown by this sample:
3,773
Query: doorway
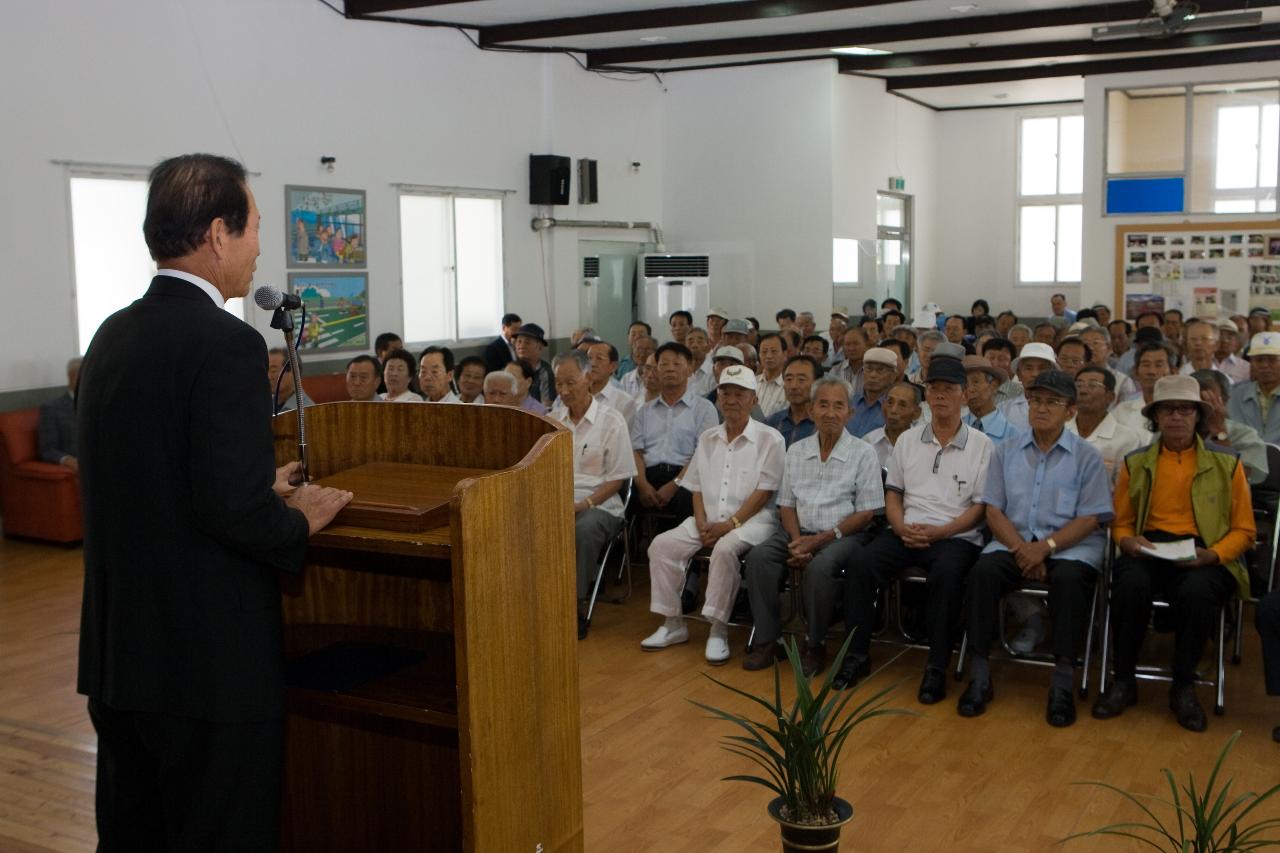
893,249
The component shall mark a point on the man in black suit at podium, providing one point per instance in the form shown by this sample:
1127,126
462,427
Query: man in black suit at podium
186,532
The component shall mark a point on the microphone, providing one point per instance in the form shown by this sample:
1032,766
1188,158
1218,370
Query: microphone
270,298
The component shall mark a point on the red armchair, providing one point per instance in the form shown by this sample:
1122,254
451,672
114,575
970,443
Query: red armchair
37,499
326,387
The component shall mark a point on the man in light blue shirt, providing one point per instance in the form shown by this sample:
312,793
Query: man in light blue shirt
982,383
1253,403
879,371
1047,493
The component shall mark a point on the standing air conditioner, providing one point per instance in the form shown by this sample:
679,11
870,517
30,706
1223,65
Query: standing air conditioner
671,283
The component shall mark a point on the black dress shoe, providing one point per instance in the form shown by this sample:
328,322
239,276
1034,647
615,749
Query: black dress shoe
1061,711
1120,695
852,670
583,627
974,699
1186,708
933,687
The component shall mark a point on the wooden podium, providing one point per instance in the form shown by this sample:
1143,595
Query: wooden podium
446,713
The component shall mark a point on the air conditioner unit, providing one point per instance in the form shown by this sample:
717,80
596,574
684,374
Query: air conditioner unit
670,282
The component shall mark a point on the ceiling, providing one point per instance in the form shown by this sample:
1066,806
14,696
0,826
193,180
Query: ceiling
946,54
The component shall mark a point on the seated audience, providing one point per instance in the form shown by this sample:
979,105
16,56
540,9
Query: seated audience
834,335
56,425
937,475
1177,489
1095,393
716,318
524,374
830,491
385,343
364,374
603,358
1005,321
926,343
785,318
794,421
1227,355
435,372
1034,358
893,320
502,349
1000,353
854,347
806,325
1200,338
982,382
397,368
530,342
902,405
1099,343
1174,330
1253,402
649,376
602,463
1046,492
500,389
1058,308
680,322
1073,354
879,371
280,375
733,475
816,347
1218,429
1259,320
638,330
468,375
642,349
1020,335
771,394
703,378
1154,361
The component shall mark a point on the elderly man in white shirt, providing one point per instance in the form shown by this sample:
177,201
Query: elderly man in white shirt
830,491
1227,356
1095,393
602,463
773,358
902,408
733,476
604,363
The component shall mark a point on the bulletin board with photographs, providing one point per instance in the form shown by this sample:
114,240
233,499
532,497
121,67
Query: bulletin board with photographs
1204,269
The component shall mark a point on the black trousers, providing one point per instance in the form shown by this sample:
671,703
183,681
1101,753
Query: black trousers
681,505
1268,614
995,575
946,563
1194,596
181,785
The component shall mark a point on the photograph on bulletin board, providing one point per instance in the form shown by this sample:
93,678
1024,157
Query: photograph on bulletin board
337,307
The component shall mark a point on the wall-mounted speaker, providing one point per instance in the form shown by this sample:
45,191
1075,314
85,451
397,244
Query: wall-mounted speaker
548,179
587,190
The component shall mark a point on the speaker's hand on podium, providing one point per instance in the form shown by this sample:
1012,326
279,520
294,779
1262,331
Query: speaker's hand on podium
288,478
319,504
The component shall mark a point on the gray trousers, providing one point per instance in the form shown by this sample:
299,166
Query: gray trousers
592,529
820,588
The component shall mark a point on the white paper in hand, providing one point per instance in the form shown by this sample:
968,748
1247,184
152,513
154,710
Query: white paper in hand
1179,551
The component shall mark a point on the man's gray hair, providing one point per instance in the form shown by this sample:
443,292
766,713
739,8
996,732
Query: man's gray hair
808,314
831,380
1217,379
1023,326
693,329
931,335
74,363
504,377
575,355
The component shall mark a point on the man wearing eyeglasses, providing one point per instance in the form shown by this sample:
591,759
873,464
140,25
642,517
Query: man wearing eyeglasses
1178,489
1045,495
936,477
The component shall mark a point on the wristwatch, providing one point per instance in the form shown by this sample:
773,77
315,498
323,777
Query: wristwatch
836,531
1053,546
1221,436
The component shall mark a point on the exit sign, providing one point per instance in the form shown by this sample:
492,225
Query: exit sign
897,184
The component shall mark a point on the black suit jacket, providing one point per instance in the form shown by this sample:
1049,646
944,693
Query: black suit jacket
184,538
56,429
497,354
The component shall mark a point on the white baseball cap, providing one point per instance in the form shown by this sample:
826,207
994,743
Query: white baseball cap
738,374
1265,343
924,319
1036,350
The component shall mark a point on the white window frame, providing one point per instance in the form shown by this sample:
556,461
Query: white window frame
451,306
1055,201
1258,193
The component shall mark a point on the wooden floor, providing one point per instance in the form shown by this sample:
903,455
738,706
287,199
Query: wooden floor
651,761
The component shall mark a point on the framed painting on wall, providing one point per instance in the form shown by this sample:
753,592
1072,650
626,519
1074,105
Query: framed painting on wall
326,227
337,310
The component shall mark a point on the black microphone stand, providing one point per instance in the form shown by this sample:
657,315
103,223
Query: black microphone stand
283,320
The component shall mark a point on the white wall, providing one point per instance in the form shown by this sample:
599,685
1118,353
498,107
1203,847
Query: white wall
287,82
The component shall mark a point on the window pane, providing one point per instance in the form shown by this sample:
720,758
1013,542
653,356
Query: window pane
1036,243
1071,156
1267,205
426,271
1237,159
844,261
1039,156
1268,150
478,222
112,265
889,210
1235,205
1070,235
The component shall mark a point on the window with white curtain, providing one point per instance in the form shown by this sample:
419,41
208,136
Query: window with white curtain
1245,159
1050,202
111,263
451,265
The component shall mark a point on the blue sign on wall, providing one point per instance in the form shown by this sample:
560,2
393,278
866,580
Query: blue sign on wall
1144,195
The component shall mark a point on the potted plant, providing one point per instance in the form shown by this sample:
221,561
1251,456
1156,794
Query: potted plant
1208,820
799,750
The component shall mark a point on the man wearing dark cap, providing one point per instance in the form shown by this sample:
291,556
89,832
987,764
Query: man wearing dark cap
936,478
1046,494
530,341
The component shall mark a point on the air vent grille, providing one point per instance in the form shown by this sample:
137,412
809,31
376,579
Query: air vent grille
677,266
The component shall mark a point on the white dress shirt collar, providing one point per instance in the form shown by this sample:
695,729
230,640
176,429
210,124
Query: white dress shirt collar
198,282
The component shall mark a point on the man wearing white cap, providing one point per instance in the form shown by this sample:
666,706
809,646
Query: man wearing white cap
1034,359
1227,357
866,409
733,476
716,318
1253,402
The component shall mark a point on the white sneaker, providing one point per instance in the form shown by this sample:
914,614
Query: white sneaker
1031,635
672,633
718,645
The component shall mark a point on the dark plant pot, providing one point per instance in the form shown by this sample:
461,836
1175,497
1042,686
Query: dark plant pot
799,838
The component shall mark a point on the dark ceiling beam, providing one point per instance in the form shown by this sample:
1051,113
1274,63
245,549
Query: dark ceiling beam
667,18
1077,69
960,25
359,8
1050,49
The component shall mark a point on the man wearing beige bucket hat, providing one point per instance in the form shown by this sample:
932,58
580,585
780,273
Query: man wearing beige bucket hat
1177,489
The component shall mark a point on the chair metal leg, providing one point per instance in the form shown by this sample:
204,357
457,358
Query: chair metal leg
1220,707
964,649
1104,660
1088,640
1239,642
595,590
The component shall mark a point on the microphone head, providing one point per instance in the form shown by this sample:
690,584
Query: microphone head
268,297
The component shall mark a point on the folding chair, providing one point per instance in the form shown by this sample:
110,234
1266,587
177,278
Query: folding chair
623,536
1266,514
